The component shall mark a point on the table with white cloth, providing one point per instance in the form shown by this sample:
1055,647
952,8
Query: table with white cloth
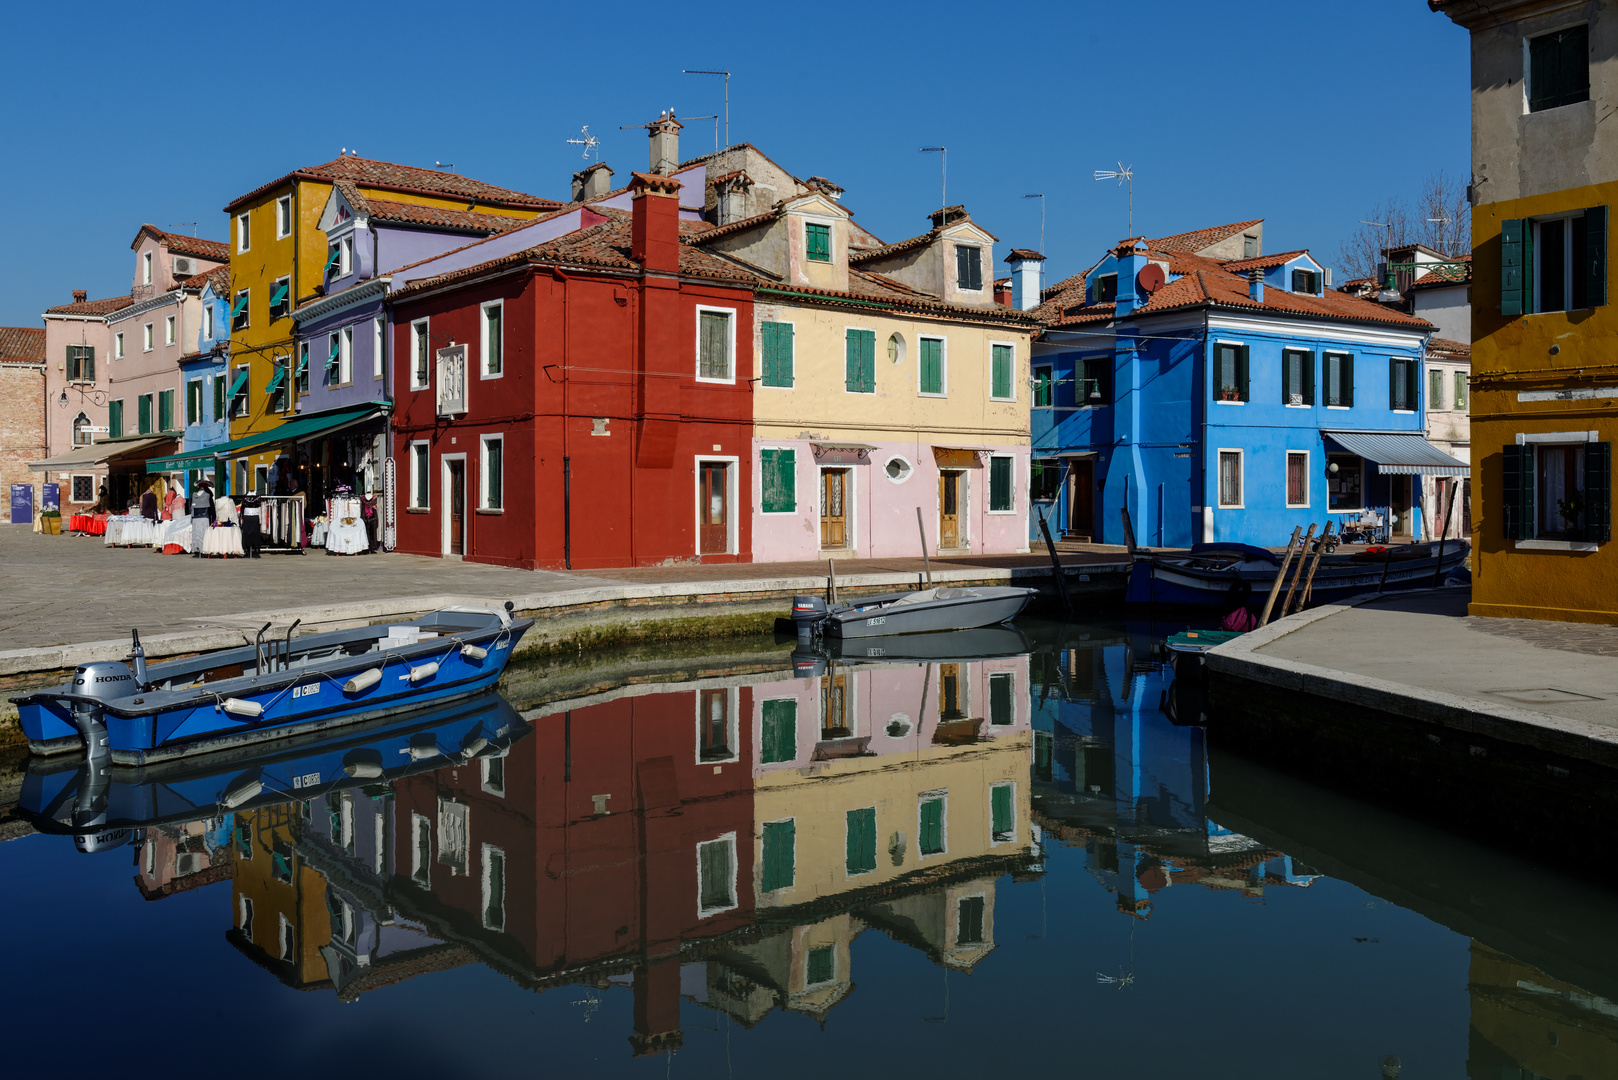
116,524
177,533
142,532
345,528
222,540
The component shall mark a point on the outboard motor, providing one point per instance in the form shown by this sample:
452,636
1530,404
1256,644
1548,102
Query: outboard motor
90,812
137,656
104,680
808,612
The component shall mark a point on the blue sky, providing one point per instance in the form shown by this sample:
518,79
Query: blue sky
1304,114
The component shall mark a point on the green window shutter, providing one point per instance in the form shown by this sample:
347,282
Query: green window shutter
780,736
868,360
1517,492
1000,483
144,414
1241,373
932,366
1598,491
851,361
1003,820
1396,384
780,854
1291,376
1595,256
1308,378
1002,702
817,242
1348,381
777,341
820,966
930,836
90,363
1512,270
1413,384
165,410
860,373
218,397
779,468
860,848
1000,376
115,419
1042,388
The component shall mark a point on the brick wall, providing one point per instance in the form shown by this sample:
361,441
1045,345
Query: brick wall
22,429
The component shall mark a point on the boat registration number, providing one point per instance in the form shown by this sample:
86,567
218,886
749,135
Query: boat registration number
306,691
878,621
306,780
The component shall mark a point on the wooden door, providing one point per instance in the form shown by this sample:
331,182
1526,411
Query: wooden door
1081,512
457,506
834,719
1399,491
714,509
713,718
949,509
834,484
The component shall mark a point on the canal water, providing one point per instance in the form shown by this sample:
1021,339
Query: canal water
994,857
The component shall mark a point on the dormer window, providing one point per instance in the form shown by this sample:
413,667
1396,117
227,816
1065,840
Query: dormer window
1306,281
1249,247
339,258
146,268
968,268
817,242
1106,288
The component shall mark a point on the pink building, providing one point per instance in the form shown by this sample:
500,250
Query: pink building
76,395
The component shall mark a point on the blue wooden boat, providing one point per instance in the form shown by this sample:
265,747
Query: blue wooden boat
104,806
135,714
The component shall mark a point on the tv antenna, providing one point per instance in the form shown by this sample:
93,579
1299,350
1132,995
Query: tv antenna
447,166
1123,176
1041,198
588,141
943,178
726,75
715,118
177,224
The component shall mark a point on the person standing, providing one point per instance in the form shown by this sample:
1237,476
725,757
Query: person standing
252,524
201,514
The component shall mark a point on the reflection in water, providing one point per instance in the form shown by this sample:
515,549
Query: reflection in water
721,844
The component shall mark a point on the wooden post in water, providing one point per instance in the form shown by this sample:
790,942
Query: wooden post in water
1314,564
1387,562
1443,534
1297,575
1056,564
925,565
831,581
1275,586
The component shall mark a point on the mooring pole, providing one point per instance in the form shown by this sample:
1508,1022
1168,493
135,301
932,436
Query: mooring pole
925,565
1297,575
831,581
1275,586
1320,553
1443,534
1056,564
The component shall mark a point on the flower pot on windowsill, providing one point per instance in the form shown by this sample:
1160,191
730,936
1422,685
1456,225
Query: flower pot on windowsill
1227,395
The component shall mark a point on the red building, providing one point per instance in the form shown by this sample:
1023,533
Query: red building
578,404
613,838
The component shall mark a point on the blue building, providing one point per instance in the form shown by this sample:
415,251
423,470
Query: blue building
204,373
1221,394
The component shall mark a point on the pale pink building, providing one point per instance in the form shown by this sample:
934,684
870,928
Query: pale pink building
76,395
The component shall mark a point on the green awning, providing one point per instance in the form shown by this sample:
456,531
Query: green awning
279,295
275,383
304,427
331,260
237,383
241,302
335,348
303,363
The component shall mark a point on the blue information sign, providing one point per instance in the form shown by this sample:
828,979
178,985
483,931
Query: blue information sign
22,504
50,497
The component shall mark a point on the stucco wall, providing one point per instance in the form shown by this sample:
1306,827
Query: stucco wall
1448,310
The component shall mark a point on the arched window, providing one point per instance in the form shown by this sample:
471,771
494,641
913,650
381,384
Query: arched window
81,430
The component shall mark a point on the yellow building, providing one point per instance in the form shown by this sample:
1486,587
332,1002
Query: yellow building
281,259
278,905
1527,1023
1544,335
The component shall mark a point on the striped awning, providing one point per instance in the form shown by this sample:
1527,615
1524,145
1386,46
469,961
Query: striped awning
1400,454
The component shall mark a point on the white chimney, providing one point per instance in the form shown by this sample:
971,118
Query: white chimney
665,137
1027,277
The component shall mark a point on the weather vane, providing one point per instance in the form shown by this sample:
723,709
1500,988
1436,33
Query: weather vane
588,141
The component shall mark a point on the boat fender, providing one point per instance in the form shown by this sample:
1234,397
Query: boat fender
363,764
423,746
474,746
243,791
423,672
241,707
474,652
363,681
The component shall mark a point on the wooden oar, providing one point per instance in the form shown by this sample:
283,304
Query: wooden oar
1314,564
1275,586
1303,555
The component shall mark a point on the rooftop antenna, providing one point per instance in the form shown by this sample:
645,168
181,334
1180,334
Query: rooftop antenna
1041,199
715,118
943,179
726,74
447,166
177,224
1390,288
588,141
1123,176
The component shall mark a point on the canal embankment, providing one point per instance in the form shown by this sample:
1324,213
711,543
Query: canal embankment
1497,726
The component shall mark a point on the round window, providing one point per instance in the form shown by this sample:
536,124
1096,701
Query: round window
896,348
898,469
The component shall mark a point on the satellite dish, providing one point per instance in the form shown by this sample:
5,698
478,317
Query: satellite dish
1150,279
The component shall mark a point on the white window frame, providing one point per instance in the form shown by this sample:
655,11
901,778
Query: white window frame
1241,474
421,462
283,217
483,473
378,347
497,790
168,330
90,483
1012,345
988,487
207,322
942,795
483,340
485,894
1308,484
732,475
943,361
202,401
985,266
1287,351
446,520
732,725
146,268
345,256
118,345
831,240
1214,372
246,396
246,297
244,917
421,346
1435,400
735,894
287,281
244,233
345,357
421,871
148,337
910,469
730,334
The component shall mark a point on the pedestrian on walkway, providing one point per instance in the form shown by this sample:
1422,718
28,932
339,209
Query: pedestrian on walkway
201,515
252,524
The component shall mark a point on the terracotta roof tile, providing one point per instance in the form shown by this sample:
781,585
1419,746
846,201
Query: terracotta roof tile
442,218
1197,239
92,307
180,244
1444,349
22,343
219,278
388,176
1026,254
742,225
1263,262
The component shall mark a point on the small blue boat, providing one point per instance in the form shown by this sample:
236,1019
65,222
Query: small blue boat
135,714
104,806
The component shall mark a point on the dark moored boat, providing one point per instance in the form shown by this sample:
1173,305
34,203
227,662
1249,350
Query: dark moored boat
1203,576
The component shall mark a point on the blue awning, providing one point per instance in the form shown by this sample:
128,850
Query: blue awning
1399,455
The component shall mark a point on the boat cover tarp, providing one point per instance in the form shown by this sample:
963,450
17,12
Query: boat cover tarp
1400,455
1248,550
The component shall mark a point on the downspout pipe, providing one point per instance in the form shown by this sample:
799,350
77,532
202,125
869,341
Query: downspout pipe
567,461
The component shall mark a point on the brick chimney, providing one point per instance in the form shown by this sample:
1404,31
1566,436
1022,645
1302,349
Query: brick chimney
655,225
592,182
665,138
1002,292
80,296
